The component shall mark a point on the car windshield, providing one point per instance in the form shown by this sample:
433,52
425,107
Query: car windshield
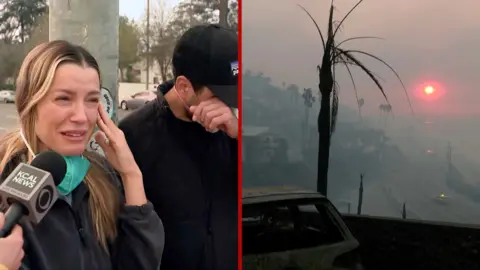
412,153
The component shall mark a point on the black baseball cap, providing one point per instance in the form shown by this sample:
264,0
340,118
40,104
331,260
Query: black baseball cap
208,56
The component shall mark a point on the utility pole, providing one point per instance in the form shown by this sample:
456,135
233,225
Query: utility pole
92,24
148,46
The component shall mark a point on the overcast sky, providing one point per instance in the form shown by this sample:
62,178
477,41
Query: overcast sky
135,9
427,42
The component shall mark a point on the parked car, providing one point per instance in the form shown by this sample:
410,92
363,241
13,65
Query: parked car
7,96
288,228
137,100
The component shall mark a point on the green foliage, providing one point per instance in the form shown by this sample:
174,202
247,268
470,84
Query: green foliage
334,55
26,21
11,56
19,18
129,41
130,76
190,13
7,87
208,6
23,24
165,30
39,33
12,53
233,15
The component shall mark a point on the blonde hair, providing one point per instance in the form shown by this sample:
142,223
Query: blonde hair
33,83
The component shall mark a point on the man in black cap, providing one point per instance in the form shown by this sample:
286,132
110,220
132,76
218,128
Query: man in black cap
185,144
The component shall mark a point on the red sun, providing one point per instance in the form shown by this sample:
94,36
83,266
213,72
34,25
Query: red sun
429,90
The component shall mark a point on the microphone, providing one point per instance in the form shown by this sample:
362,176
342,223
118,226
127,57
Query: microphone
31,190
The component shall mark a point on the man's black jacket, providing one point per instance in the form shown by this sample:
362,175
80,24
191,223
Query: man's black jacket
190,176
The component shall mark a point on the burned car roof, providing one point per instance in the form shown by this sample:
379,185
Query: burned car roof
277,193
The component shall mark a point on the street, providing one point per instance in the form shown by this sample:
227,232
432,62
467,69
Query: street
9,118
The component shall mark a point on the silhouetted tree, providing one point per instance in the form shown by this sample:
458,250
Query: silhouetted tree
308,100
128,49
355,148
385,110
18,18
333,55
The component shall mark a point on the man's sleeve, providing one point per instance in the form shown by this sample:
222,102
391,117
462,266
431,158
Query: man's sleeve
129,137
234,158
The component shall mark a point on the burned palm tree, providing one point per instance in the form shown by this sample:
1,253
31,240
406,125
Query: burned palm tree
334,55
360,103
385,110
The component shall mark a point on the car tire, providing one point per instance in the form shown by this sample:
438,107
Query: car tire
123,105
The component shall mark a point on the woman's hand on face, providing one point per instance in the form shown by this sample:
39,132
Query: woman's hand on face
114,145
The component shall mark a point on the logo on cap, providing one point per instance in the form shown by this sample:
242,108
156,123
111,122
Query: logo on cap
234,66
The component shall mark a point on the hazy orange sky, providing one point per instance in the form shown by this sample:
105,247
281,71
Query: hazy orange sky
427,40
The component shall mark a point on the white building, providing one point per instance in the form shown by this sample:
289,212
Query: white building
140,71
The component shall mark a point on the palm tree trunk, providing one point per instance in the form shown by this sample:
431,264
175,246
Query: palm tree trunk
305,129
323,143
324,133
304,126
